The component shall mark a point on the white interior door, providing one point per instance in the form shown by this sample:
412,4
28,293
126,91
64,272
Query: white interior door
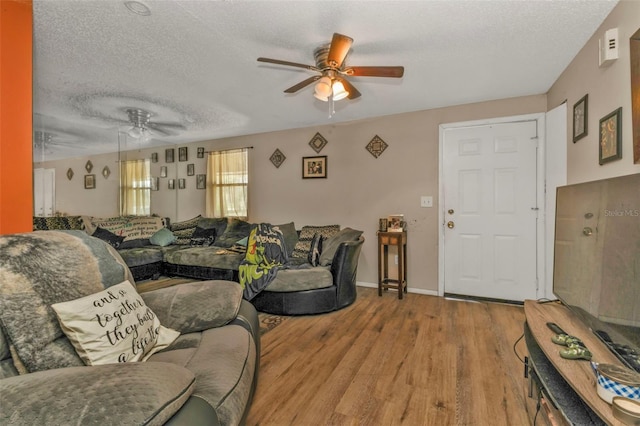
490,210
44,192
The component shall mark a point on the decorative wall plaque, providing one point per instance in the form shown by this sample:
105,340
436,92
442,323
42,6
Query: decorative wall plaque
69,174
317,142
277,158
106,172
376,146
89,166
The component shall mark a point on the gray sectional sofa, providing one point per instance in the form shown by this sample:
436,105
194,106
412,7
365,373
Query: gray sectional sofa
206,376
213,248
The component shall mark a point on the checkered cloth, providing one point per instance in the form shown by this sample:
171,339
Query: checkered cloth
632,392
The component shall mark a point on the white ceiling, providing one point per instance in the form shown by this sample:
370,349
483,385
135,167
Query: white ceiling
193,63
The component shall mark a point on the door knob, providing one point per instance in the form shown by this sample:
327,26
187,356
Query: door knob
450,224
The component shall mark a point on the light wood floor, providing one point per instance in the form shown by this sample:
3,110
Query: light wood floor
423,360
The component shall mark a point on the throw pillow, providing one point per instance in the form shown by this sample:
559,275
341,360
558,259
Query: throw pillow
331,245
163,237
113,325
57,222
203,237
135,243
219,223
183,236
186,224
109,237
315,250
306,235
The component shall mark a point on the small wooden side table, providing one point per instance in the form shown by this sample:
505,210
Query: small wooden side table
386,239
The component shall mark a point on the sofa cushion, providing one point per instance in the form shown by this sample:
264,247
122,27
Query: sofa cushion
142,255
85,265
219,223
226,382
213,257
301,279
109,237
236,230
183,236
316,248
147,393
203,237
113,325
306,235
330,246
290,236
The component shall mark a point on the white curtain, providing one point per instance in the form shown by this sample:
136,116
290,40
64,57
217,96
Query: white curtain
135,187
227,183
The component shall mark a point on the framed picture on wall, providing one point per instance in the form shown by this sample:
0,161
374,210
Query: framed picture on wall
610,128
201,181
163,171
191,169
168,155
201,152
172,184
182,183
580,117
89,181
314,167
182,154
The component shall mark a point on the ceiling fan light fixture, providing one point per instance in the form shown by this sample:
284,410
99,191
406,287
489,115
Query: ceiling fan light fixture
135,132
323,88
339,91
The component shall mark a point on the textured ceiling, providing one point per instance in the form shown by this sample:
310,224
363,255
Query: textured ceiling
193,63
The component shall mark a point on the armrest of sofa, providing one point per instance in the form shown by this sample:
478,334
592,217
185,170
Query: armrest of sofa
195,306
344,268
124,393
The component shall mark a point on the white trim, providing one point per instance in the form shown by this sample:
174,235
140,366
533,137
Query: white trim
540,196
409,289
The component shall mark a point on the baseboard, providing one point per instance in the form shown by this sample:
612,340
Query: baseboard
409,289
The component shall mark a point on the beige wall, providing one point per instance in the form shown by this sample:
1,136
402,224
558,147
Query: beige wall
608,89
359,188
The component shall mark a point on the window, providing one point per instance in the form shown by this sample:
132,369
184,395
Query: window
135,187
227,183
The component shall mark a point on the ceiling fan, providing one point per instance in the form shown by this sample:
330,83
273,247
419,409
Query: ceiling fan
332,71
142,126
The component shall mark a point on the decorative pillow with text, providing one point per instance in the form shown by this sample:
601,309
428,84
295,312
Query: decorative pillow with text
112,326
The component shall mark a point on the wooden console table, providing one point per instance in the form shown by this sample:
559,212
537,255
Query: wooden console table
386,239
578,374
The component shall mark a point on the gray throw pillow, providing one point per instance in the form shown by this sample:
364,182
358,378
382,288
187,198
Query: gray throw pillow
330,246
290,236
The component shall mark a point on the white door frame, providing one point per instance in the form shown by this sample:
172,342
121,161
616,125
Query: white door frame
540,196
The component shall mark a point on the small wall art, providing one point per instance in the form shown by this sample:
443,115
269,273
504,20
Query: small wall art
201,181
277,158
172,184
191,170
580,118
168,155
611,136
314,167
106,172
182,183
182,154
89,166
69,173
200,152
376,146
317,142
89,181
154,157
163,171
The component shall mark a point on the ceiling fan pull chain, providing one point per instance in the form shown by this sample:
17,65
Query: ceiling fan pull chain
332,109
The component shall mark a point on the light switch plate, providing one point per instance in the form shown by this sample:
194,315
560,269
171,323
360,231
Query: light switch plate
426,201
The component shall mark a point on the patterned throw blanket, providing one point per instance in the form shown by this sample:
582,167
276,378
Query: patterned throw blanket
265,253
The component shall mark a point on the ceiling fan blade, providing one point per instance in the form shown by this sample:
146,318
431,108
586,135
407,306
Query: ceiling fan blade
395,72
302,84
340,45
353,92
290,64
